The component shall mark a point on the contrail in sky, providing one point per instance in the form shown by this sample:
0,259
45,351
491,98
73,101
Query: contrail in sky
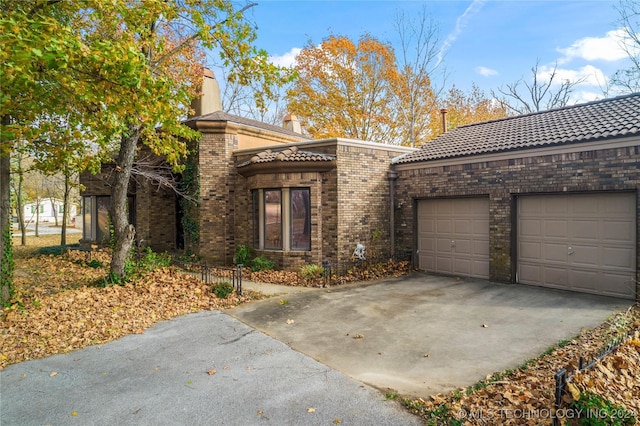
461,23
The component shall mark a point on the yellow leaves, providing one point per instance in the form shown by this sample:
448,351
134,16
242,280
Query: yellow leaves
311,410
575,392
53,374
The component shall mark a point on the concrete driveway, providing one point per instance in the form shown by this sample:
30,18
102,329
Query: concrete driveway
425,334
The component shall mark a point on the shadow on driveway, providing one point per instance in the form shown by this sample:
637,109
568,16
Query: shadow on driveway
426,334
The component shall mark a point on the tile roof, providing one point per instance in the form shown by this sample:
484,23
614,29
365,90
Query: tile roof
291,154
223,116
600,120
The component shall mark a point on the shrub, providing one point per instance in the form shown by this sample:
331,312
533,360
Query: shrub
312,271
151,261
243,255
222,289
261,263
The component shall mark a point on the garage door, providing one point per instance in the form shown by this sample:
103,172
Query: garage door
453,236
584,242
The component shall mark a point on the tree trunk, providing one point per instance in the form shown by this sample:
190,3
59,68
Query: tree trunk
65,208
123,230
6,252
38,217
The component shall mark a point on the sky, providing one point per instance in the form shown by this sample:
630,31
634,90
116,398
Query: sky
486,42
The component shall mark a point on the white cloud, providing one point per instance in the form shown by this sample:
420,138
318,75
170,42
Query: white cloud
461,23
286,60
588,74
607,48
486,72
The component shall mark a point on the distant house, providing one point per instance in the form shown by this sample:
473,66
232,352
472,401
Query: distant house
548,199
47,210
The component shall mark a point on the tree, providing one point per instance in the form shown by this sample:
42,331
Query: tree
415,96
126,71
628,80
543,92
463,108
343,89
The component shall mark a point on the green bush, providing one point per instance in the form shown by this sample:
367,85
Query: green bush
151,261
595,410
243,255
261,263
222,289
312,271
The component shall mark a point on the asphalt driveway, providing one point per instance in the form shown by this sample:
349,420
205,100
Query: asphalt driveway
199,369
425,334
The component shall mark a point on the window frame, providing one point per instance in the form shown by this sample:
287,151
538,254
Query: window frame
259,220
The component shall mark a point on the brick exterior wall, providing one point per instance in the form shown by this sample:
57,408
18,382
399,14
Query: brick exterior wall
503,180
349,203
155,216
216,169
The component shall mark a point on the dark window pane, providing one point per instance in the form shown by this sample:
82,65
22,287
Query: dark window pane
86,218
255,209
273,219
103,221
300,219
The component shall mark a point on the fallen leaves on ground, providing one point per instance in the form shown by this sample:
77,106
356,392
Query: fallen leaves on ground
58,312
616,377
526,395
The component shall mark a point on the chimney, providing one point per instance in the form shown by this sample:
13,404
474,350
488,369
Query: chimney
290,122
444,111
210,100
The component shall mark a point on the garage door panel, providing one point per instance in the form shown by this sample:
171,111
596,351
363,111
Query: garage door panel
555,276
444,226
530,227
585,230
462,226
587,242
616,231
614,257
461,236
582,255
556,229
554,252
443,245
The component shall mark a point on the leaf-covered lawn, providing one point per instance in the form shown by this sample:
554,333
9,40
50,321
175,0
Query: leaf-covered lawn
58,308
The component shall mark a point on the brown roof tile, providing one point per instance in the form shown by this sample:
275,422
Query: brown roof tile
289,154
599,120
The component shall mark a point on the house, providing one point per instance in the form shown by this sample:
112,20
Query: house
47,210
293,199
547,199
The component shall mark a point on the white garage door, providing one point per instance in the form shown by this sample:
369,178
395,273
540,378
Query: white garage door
453,236
580,242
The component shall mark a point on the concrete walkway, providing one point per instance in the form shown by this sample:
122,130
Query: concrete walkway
426,334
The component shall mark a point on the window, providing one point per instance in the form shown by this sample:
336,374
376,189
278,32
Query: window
282,219
273,219
300,219
96,222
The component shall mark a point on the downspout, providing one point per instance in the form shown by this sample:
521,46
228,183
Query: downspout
392,176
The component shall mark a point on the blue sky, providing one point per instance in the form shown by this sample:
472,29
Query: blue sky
491,43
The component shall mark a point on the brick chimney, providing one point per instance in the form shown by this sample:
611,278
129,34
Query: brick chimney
210,100
444,111
290,122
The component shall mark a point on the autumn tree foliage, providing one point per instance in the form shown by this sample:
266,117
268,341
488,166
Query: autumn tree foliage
466,108
343,89
120,73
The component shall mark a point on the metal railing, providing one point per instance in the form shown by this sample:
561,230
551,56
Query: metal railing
213,274
563,376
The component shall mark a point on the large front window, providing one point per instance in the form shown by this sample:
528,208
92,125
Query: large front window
282,219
